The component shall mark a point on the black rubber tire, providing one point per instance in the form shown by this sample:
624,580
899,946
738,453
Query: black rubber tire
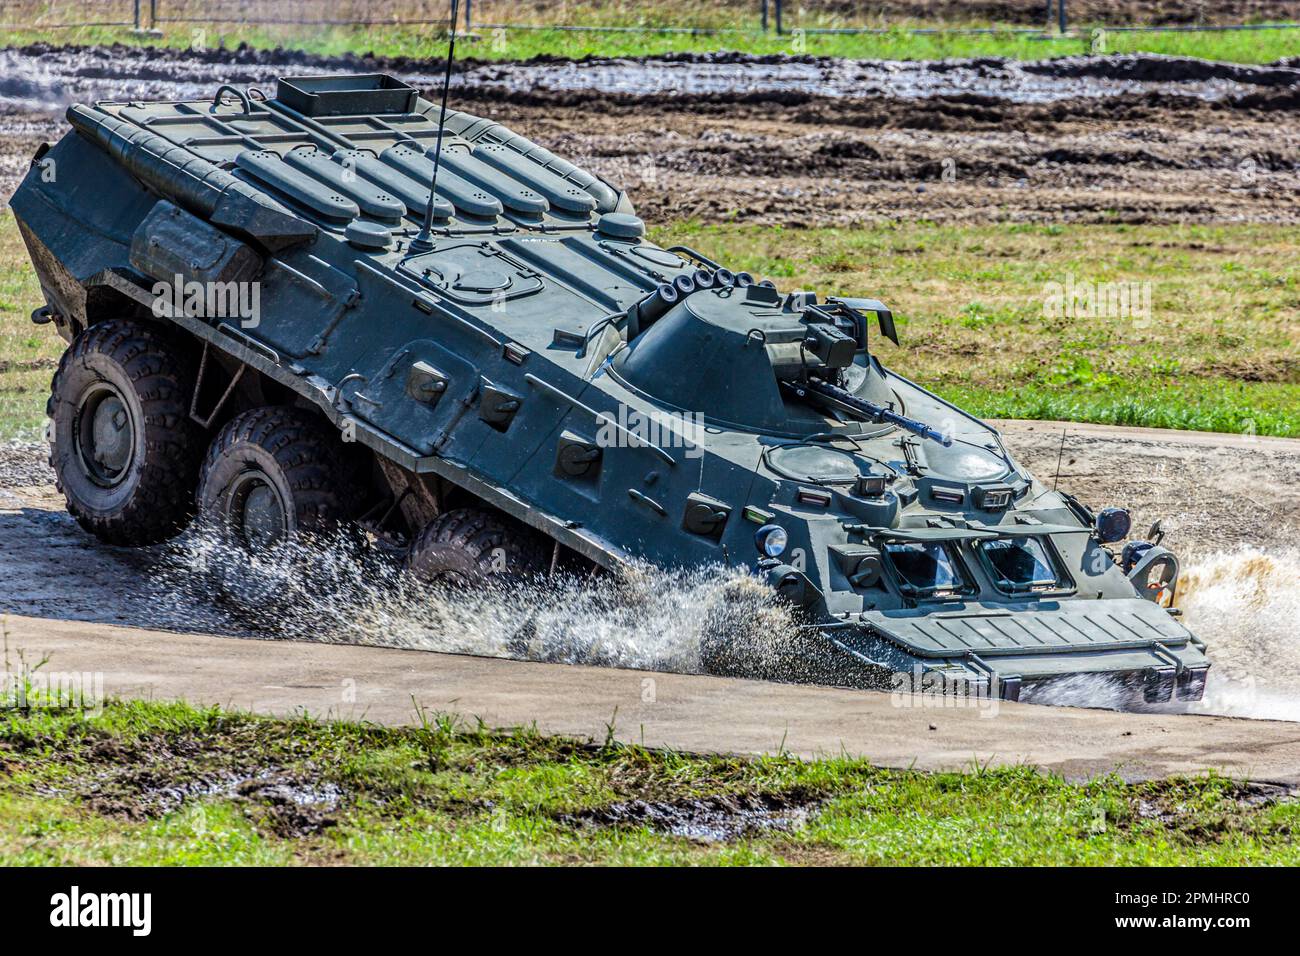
468,546
290,450
148,373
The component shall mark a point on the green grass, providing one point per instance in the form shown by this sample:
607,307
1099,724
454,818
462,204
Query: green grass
1261,46
80,789
28,353
1219,350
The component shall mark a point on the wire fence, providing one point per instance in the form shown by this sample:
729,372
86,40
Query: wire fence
669,16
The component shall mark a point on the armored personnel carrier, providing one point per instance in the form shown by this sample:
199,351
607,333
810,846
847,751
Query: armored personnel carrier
261,333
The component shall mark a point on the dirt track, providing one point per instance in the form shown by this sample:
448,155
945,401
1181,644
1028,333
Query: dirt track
804,141
685,712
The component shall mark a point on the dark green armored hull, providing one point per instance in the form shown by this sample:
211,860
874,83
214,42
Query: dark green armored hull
624,401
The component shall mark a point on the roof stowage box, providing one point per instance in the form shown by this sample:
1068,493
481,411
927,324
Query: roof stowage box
367,93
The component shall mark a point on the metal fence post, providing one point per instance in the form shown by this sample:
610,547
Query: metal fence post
1060,9
469,15
763,13
153,14
780,28
137,16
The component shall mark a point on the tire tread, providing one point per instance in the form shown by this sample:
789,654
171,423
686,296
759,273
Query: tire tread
161,374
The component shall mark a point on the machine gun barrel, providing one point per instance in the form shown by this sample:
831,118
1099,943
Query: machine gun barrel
845,400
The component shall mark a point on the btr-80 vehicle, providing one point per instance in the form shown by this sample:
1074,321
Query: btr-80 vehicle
261,333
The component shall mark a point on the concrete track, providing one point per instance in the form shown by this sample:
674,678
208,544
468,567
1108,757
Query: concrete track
66,598
686,712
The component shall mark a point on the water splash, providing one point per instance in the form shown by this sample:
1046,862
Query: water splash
342,590
1246,606
1080,690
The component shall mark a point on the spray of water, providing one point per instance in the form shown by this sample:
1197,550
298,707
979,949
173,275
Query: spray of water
1081,690
1246,606
341,590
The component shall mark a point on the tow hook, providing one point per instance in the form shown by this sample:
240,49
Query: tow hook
42,316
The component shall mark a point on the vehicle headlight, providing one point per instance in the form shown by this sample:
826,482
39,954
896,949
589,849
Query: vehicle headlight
771,540
1113,524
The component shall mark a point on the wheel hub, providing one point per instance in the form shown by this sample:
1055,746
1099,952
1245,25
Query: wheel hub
105,435
257,512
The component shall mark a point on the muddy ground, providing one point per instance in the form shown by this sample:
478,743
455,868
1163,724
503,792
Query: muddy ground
950,160
805,141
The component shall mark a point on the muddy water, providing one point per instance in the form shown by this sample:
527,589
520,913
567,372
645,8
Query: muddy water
1035,82
1242,598
50,78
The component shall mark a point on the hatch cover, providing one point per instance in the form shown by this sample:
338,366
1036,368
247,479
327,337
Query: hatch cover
482,280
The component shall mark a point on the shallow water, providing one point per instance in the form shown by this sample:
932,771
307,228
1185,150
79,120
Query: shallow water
1244,604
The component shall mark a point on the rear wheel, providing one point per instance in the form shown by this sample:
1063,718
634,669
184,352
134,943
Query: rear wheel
123,447
273,474
468,546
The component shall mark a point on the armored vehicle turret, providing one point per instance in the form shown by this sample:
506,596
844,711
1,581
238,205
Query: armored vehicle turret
259,334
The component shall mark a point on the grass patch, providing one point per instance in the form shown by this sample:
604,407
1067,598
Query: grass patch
28,353
157,783
897,43
1217,350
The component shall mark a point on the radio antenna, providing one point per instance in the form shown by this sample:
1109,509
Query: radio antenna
1060,456
424,240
